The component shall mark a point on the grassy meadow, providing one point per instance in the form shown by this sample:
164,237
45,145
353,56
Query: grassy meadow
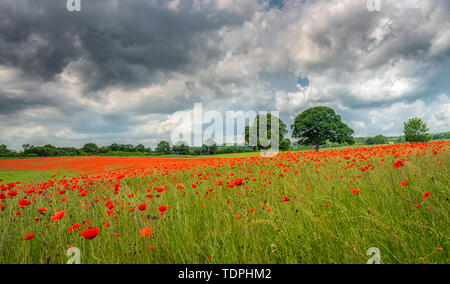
306,207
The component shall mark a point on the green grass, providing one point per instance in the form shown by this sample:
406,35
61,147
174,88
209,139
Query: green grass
301,230
31,176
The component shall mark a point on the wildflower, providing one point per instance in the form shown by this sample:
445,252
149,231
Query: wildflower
162,209
41,210
425,195
58,215
145,232
28,237
398,164
23,203
90,233
285,199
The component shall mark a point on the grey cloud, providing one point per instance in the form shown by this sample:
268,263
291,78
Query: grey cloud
129,43
135,58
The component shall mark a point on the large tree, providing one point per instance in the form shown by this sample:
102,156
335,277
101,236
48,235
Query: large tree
163,147
416,131
319,124
264,137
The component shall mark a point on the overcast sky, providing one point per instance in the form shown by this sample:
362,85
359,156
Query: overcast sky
118,70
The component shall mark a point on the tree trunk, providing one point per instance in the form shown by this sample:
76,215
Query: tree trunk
317,147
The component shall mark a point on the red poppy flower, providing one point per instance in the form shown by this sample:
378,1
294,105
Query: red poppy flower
90,233
238,182
41,210
28,237
23,203
58,215
398,164
142,207
425,195
162,209
404,183
355,191
145,232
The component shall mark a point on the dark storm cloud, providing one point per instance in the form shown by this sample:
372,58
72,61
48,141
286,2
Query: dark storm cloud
130,42
10,103
118,69
97,126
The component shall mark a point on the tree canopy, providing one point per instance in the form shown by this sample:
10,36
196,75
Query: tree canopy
264,139
163,147
379,139
318,125
416,131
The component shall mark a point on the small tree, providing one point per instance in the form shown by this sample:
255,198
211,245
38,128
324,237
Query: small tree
416,131
285,145
4,149
317,125
264,140
379,139
139,148
181,148
90,148
163,147
210,146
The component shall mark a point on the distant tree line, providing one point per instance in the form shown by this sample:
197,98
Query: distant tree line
380,139
313,128
118,150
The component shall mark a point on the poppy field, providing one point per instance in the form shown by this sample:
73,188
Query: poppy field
299,207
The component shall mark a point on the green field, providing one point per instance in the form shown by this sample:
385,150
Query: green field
322,221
